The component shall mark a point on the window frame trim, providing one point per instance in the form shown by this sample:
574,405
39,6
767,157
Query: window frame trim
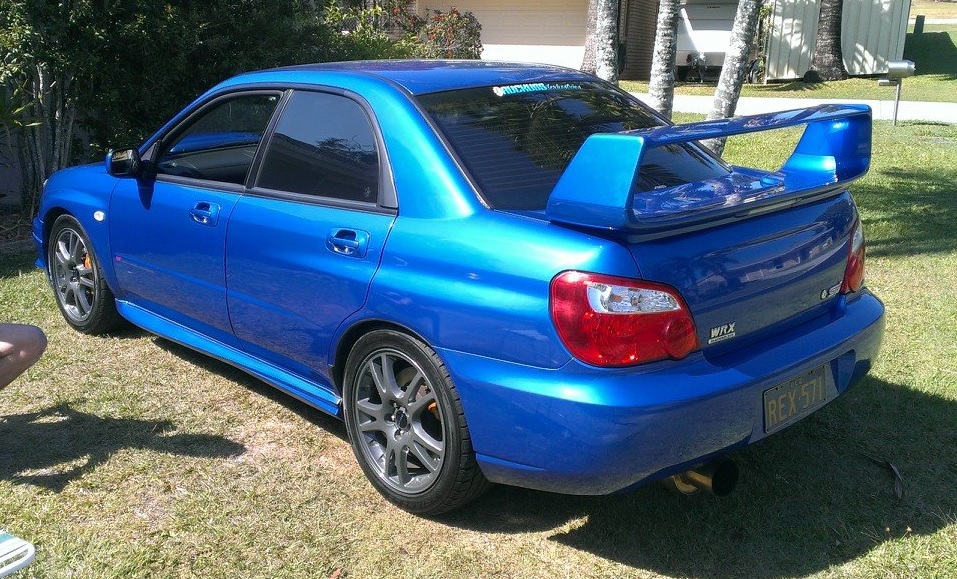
386,198
160,144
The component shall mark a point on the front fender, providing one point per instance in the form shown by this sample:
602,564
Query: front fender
83,192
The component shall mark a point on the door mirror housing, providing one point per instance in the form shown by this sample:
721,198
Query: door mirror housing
124,163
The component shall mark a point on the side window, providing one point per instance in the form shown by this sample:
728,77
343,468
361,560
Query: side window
324,146
221,143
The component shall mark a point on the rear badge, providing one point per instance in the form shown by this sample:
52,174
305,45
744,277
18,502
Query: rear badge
722,333
831,291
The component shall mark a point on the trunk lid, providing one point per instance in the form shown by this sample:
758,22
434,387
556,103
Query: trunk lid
751,252
745,279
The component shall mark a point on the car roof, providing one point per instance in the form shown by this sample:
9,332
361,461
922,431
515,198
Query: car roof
418,76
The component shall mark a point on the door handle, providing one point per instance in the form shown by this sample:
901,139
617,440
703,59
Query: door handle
348,242
205,213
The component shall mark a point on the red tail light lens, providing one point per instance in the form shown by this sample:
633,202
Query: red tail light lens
613,321
854,272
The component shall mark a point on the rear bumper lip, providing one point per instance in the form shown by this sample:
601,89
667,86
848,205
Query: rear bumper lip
584,430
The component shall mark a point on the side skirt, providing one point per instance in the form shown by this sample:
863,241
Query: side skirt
296,386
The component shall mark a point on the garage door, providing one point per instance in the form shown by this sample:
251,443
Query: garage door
550,31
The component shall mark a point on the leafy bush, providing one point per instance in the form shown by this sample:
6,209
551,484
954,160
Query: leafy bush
450,34
396,30
363,34
85,76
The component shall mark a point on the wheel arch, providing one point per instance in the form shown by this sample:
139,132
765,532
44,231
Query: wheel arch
101,315
96,231
352,334
48,219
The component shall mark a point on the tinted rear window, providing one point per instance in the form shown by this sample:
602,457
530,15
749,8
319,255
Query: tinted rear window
516,140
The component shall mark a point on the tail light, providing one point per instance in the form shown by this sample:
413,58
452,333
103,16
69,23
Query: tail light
613,321
854,272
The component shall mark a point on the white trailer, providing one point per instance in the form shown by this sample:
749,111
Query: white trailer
704,34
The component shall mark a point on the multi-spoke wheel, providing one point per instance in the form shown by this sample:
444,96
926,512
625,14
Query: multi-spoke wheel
81,292
406,424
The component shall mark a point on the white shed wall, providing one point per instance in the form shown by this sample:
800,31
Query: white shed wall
873,32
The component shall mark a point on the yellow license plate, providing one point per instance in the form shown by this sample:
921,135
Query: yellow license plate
791,400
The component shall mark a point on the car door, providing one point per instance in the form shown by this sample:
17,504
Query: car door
304,244
168,234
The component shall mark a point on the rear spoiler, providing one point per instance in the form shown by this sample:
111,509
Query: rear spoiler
597,188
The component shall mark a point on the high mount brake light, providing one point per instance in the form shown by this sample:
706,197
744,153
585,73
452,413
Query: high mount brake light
613,321
854,272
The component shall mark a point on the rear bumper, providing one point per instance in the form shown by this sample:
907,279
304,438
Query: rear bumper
584,430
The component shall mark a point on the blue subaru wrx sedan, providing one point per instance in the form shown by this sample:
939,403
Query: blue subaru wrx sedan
494,273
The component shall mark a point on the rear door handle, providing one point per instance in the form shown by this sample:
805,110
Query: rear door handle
205,213
348,242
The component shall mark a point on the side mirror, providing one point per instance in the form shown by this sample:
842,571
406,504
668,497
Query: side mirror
123,163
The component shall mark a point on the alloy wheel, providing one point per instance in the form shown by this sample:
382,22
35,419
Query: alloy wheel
74,277
400,421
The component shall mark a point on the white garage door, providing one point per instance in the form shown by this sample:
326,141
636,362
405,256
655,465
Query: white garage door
549,31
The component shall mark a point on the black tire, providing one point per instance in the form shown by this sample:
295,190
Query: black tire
80,290
406,425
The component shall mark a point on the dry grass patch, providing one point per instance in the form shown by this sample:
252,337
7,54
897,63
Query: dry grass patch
128,456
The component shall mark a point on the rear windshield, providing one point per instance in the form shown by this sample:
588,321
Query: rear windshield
516,140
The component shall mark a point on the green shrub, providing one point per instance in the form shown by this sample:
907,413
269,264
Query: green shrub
363,34
450,34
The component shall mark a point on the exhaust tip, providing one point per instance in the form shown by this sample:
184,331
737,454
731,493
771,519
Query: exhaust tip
718,478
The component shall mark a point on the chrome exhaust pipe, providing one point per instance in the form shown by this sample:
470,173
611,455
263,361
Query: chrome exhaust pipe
718,478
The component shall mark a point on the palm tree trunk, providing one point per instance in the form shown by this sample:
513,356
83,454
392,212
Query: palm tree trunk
591,38
662,85
606,40
735,69
827,60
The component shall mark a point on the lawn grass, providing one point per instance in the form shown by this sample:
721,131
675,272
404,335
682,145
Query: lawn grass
934,52
128,456
934,8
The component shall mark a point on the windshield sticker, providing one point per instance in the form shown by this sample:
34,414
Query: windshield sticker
533,87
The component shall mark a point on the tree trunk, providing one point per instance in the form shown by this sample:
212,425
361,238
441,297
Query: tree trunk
47,123
735,69
606,40
662,85
827,60
588,62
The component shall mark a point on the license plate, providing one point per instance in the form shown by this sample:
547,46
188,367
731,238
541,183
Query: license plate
789,401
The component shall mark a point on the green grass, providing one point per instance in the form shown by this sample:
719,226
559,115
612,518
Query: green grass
934,52
128,456
934,8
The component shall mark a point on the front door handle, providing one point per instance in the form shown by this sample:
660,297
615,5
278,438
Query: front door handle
205,213
348,242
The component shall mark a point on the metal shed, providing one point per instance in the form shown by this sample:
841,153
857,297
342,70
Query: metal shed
873,32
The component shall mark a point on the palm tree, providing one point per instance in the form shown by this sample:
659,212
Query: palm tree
662,85
827,60
735,69
602,39
588,62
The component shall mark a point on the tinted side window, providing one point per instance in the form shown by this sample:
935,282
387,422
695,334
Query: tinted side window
221,143
324,146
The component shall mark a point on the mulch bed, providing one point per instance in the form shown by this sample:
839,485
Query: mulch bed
15,233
